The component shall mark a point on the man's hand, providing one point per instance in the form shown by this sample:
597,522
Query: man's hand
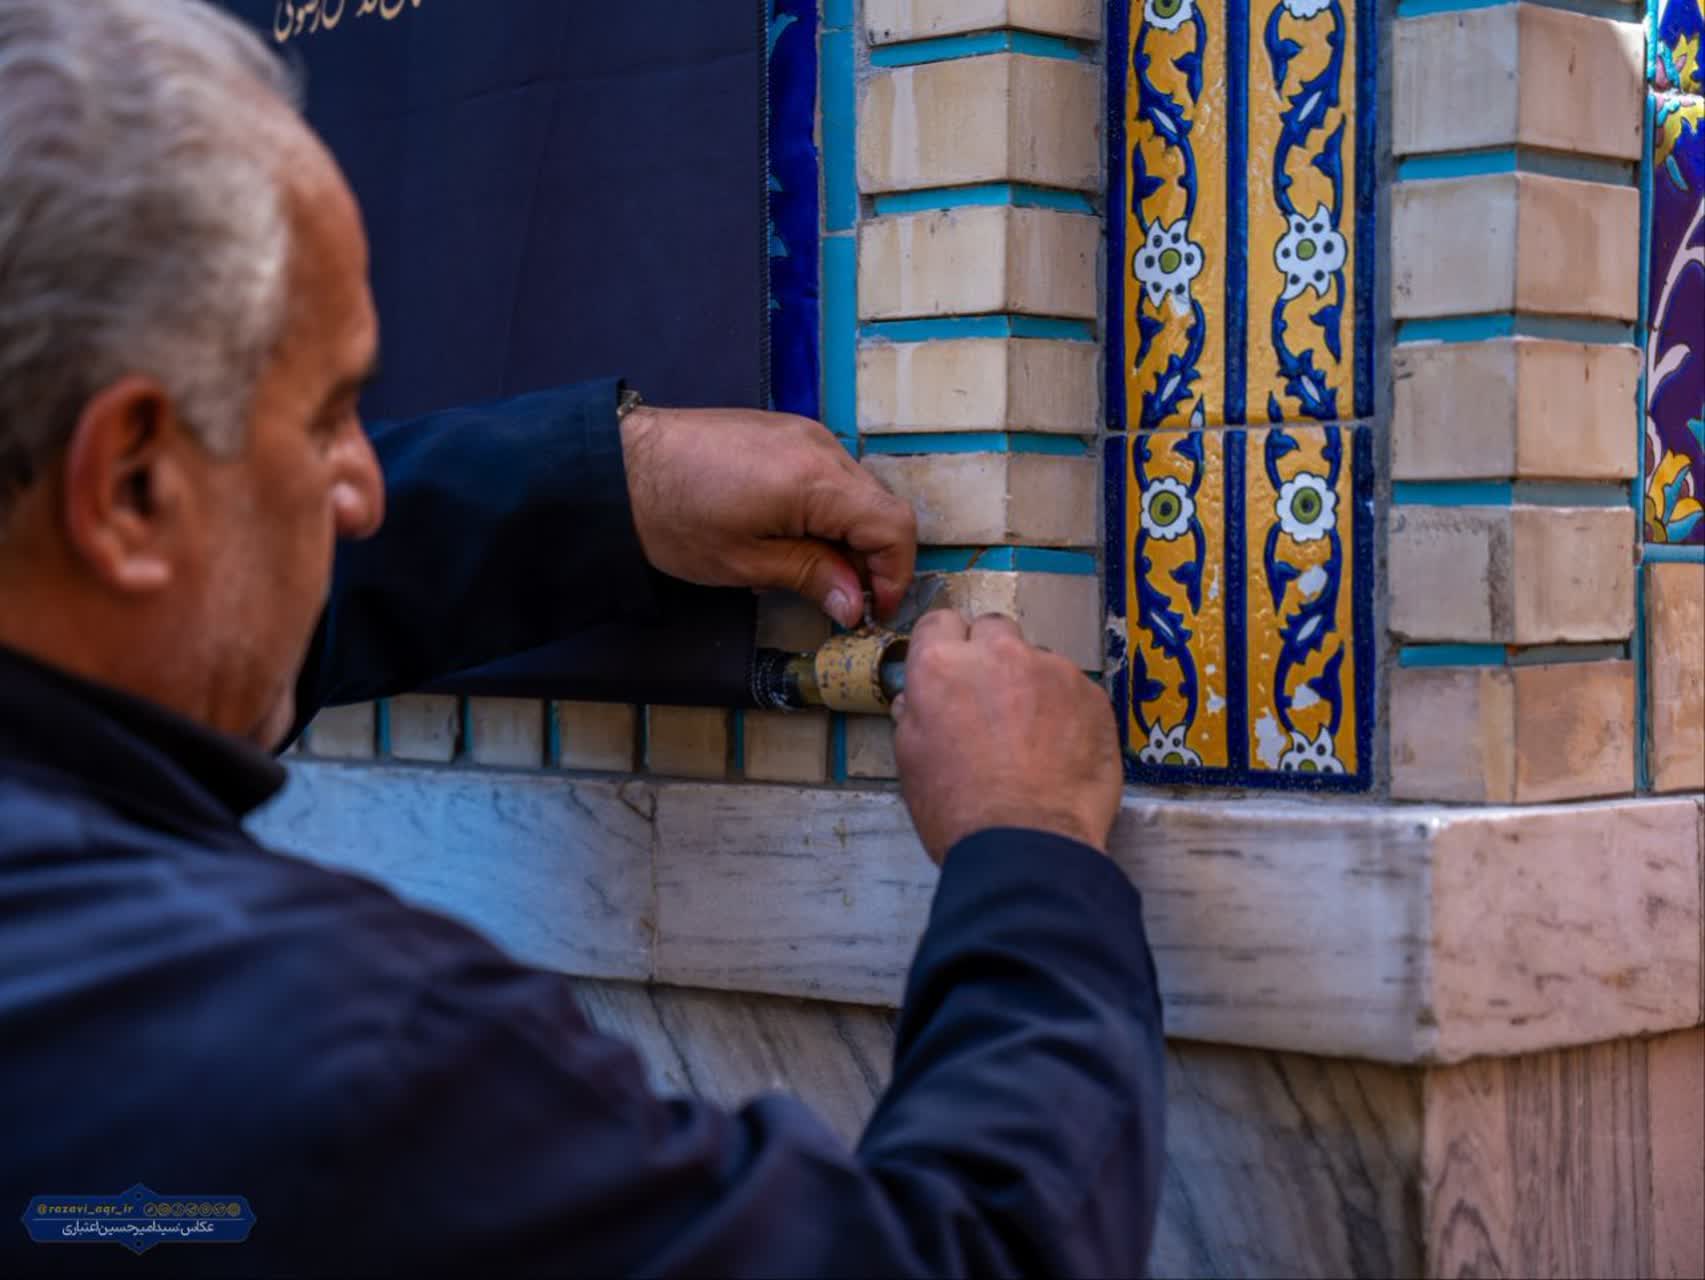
994,733
739,498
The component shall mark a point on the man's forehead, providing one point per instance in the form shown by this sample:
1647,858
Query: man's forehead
328,260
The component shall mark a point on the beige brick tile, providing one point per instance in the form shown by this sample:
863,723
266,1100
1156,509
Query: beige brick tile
1675,674
1516,735
598,736
1573,576
787,746
998,118
982,499
1578,248
425,727
1512,575
978,259
1521,408
687,742
887,21
1574,731
1527,75
344,733
1453,735
508,733
1448,573
1058,611
870,748
979,384
1515,241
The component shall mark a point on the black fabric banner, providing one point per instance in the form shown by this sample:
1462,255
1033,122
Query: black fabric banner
554,190
557,190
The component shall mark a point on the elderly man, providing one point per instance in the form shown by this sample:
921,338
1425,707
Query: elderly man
185,328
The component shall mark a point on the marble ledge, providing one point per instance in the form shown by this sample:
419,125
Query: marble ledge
1398,934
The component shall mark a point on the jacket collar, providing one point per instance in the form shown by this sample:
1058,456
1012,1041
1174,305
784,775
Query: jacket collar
159,766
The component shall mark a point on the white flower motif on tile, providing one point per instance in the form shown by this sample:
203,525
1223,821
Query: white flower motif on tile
1309,252
1168,509
1166,746
1311,757
1166,262
1305,8
1168,15
1307,507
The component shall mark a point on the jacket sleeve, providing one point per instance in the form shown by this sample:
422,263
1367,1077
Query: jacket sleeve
1021,1134
508,526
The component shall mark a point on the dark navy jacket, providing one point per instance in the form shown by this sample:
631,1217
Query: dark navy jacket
183,1008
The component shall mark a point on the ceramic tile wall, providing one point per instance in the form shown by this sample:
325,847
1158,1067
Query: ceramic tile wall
1241,198
1674,461
1240,584
1239,361
1678,32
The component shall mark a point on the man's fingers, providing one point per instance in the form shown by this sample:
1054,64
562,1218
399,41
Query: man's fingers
995,626
807,568
939,626
859,512
814,570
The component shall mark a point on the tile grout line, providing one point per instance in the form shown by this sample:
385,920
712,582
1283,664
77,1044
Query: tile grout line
1458,164
1484,326
912,53
1016,195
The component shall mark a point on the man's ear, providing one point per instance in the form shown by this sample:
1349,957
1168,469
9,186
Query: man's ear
125,485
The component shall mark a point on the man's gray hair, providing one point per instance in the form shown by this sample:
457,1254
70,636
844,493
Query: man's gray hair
142,225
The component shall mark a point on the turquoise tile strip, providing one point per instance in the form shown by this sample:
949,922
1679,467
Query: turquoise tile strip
553,735
1464,493
382,718
1451,655
840,123
1016,194
1503,493
1618,9
1503,324
1421,8
1659,553
1005,559
840,336
1416,656
1457,164
837,14
976,442
984,326
838,747
1556,164
945,48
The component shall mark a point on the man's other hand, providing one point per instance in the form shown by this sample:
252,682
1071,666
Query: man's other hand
741,498
992,732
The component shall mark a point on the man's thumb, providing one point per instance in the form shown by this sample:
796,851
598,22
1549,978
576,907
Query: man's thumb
818,572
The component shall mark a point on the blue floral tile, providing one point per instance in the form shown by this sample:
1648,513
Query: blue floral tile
1675,340
1240,598
1678,28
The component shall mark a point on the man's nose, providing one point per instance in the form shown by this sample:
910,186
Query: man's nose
358,493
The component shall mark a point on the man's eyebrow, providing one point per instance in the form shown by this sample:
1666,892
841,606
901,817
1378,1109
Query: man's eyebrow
366,378
351,386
